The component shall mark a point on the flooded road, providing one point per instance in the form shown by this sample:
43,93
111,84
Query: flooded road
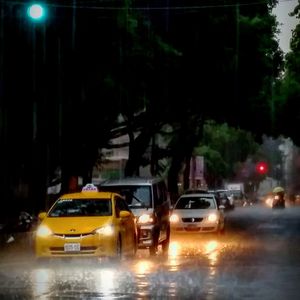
258,257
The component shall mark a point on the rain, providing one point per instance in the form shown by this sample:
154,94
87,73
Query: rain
257,257
199,94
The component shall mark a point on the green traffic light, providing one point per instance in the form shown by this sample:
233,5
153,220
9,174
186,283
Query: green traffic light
36,12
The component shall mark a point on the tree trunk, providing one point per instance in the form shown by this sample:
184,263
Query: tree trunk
137,149
186,174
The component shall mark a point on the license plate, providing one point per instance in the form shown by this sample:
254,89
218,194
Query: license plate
72,247
192,225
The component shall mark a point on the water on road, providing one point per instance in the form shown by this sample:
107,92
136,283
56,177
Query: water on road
258,257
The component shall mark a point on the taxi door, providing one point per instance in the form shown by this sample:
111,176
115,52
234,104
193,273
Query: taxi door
126,225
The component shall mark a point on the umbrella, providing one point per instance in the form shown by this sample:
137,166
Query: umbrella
278,189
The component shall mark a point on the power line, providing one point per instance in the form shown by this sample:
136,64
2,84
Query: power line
146,8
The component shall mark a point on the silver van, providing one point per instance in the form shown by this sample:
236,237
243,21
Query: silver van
149,201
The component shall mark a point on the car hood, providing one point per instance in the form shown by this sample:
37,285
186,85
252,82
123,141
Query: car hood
190,213
76,225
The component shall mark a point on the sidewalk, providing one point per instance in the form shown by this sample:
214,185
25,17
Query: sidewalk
20,244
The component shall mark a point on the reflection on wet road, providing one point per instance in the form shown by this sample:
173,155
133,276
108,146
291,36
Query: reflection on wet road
257,258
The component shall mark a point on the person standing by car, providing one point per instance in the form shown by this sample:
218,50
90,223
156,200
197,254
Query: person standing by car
278,198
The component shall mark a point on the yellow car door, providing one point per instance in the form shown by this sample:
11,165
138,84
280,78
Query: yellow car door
126,224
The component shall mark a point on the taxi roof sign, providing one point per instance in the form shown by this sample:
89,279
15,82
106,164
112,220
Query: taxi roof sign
89,188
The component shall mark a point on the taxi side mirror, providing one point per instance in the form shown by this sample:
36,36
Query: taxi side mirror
125,214
42,215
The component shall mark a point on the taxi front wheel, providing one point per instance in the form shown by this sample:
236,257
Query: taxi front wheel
133,249
118,250
135,245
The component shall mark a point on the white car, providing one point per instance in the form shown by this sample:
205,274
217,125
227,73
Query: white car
197,213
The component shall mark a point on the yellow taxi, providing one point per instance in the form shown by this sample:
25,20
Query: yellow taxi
87,223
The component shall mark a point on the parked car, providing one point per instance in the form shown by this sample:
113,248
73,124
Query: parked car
238,197
88,223
196,191
197,213
224,198
149,200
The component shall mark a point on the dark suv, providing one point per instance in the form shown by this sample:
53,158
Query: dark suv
149,200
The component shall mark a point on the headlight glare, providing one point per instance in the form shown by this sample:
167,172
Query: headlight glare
43,231
174,218
212,218
107,230
145,219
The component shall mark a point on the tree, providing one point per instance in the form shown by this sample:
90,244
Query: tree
288,88
145,61
91,65
227,47
224,149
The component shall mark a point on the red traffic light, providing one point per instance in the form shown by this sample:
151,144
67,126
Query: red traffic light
261,168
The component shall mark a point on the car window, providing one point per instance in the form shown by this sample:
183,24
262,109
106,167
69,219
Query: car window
81,207
121,205
136,196
237,193
195,203
223,194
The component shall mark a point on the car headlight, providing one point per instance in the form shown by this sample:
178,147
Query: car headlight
146,219
174,218
269,201
107,230
43,231
212,218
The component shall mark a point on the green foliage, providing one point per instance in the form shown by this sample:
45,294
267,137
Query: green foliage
261,55
151,67
215,166
224,148
288,88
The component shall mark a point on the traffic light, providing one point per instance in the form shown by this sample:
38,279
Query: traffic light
261,167
36,12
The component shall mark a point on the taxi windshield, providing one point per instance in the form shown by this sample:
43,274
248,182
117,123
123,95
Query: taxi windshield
81,208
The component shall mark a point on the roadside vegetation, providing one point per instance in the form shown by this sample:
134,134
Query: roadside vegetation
212,74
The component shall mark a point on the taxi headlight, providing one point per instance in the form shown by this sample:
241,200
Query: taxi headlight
146,219
174,218
43,231
107,230
212,218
